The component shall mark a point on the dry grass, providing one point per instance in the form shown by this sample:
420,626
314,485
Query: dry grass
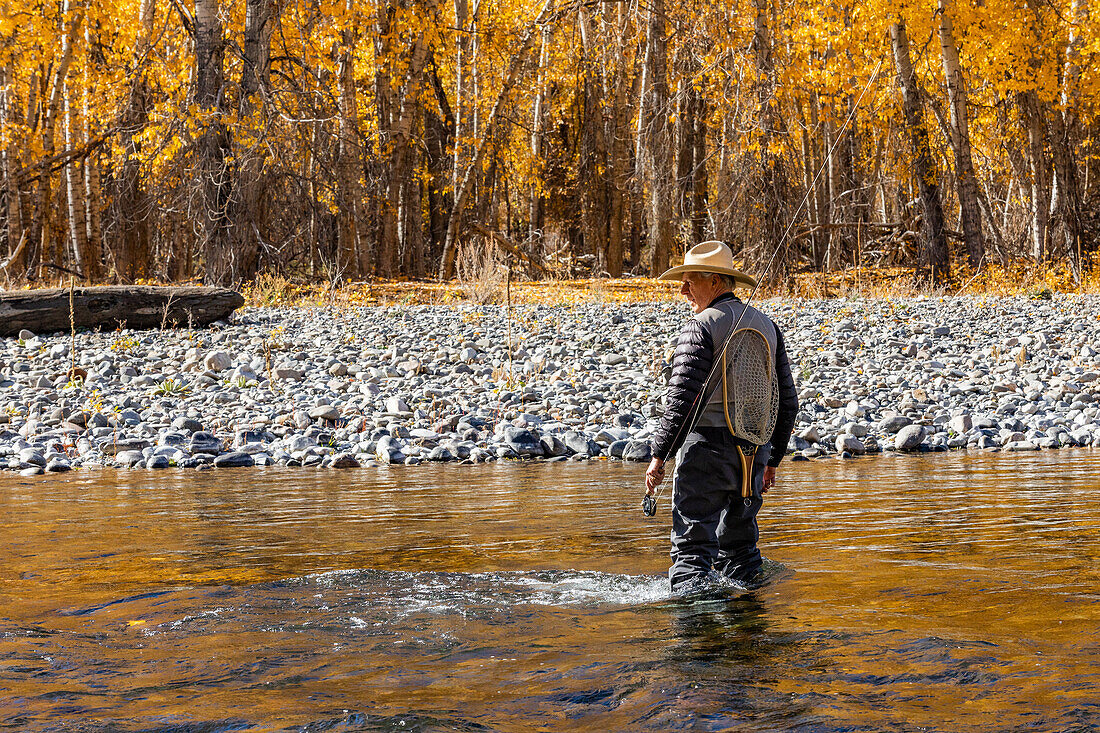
484,283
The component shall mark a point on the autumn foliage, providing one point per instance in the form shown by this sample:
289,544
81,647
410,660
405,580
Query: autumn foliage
347,140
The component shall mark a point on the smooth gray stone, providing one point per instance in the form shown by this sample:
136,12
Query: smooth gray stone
157,462
204,442
894,423
130,417
114,447
253,436
174,440
325,412
909,438
32,471
552,447
615,449
32,456
388,451
961,423
1016,446
236,459
344,460
300,443
129,458
637,450
850,444
440,453
578,442
217,361
187,425
524,442
58,465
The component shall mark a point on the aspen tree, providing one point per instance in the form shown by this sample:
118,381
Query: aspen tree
965,180
936,252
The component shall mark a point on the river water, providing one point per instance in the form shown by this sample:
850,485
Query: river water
948,592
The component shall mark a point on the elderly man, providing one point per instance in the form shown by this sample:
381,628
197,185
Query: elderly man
730,410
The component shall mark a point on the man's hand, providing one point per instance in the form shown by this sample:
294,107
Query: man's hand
769,478
654,475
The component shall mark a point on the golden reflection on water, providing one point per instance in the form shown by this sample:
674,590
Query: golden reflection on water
945,592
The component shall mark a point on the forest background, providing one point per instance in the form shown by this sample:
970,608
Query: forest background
349,140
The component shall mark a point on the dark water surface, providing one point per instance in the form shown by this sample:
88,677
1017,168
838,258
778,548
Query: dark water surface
948,593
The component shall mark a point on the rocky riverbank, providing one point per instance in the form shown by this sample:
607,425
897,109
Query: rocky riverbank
408,384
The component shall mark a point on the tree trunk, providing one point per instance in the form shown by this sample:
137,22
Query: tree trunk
699,204
250,203
537,200
592,166
462,193
132,254
936,254
92,197
84,260
618,164
215,184
438,160
347,262
13,210
1039,190
51,108
659,160
137,306
966,181
773,180
1065,134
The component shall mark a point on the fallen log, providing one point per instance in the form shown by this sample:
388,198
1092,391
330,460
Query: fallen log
111,306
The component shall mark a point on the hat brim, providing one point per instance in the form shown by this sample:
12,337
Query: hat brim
739,277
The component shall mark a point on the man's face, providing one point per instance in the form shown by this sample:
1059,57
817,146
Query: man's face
700,289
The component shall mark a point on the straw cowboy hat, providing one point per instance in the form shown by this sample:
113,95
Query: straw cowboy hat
713,257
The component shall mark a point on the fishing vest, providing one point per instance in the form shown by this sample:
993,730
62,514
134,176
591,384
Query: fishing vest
747,399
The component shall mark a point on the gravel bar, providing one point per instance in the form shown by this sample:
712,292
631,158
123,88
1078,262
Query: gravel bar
369,386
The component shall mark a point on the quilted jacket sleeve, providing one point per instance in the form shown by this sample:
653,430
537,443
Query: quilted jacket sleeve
691,364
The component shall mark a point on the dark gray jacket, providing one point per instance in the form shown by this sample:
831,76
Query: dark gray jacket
691,364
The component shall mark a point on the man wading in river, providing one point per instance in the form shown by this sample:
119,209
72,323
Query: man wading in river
730,410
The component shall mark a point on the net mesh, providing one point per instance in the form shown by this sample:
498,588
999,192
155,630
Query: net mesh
753,389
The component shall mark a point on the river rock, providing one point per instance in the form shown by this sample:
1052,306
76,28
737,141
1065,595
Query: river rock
524,442
217,361
850,444
235,459
894,423
552,446
129,458
637,450
388,451
204,442
325,412
578,442
114,447
961,424
186,424
344,460
909,438
157,462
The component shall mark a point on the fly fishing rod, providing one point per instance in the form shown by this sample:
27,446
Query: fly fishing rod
649,502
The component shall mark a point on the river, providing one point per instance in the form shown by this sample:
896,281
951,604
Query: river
946,592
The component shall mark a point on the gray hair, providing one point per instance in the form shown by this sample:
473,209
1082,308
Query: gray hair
728,280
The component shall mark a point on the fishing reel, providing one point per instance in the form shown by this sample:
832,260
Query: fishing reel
649,505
